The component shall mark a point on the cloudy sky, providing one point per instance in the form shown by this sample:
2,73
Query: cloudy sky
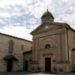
20,17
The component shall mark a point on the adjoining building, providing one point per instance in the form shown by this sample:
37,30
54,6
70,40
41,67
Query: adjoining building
53,46
11,52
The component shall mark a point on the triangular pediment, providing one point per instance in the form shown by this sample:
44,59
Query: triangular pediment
47,27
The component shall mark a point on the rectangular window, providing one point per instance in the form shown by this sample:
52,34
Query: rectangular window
11,46
22,47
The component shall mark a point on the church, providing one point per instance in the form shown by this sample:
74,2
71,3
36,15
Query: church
53,46
51,50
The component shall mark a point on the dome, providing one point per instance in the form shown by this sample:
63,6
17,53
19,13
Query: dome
47,17
47,14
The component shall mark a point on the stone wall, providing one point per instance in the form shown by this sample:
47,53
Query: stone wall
17,51
58,39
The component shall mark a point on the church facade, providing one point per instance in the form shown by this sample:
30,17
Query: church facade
53,46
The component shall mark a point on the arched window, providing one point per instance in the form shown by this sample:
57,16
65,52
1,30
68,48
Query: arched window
47,46
11,46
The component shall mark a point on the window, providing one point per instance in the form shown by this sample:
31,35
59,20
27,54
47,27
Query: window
74,40
73,49
47,46
11,46
22,47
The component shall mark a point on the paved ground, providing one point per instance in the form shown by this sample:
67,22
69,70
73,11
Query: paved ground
22,73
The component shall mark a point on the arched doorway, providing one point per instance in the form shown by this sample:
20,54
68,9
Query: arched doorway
9,62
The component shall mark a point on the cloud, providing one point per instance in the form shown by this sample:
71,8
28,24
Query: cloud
21,32
11,2
22,20
64,11
20,14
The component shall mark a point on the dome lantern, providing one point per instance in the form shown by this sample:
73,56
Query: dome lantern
47,17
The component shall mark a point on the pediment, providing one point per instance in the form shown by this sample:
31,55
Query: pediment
48,27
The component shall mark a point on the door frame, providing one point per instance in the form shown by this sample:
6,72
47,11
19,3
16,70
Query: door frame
26,65
9,66
47,64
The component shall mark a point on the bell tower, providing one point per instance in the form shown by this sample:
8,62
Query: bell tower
47,17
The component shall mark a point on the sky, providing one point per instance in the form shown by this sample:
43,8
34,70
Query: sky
19,17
